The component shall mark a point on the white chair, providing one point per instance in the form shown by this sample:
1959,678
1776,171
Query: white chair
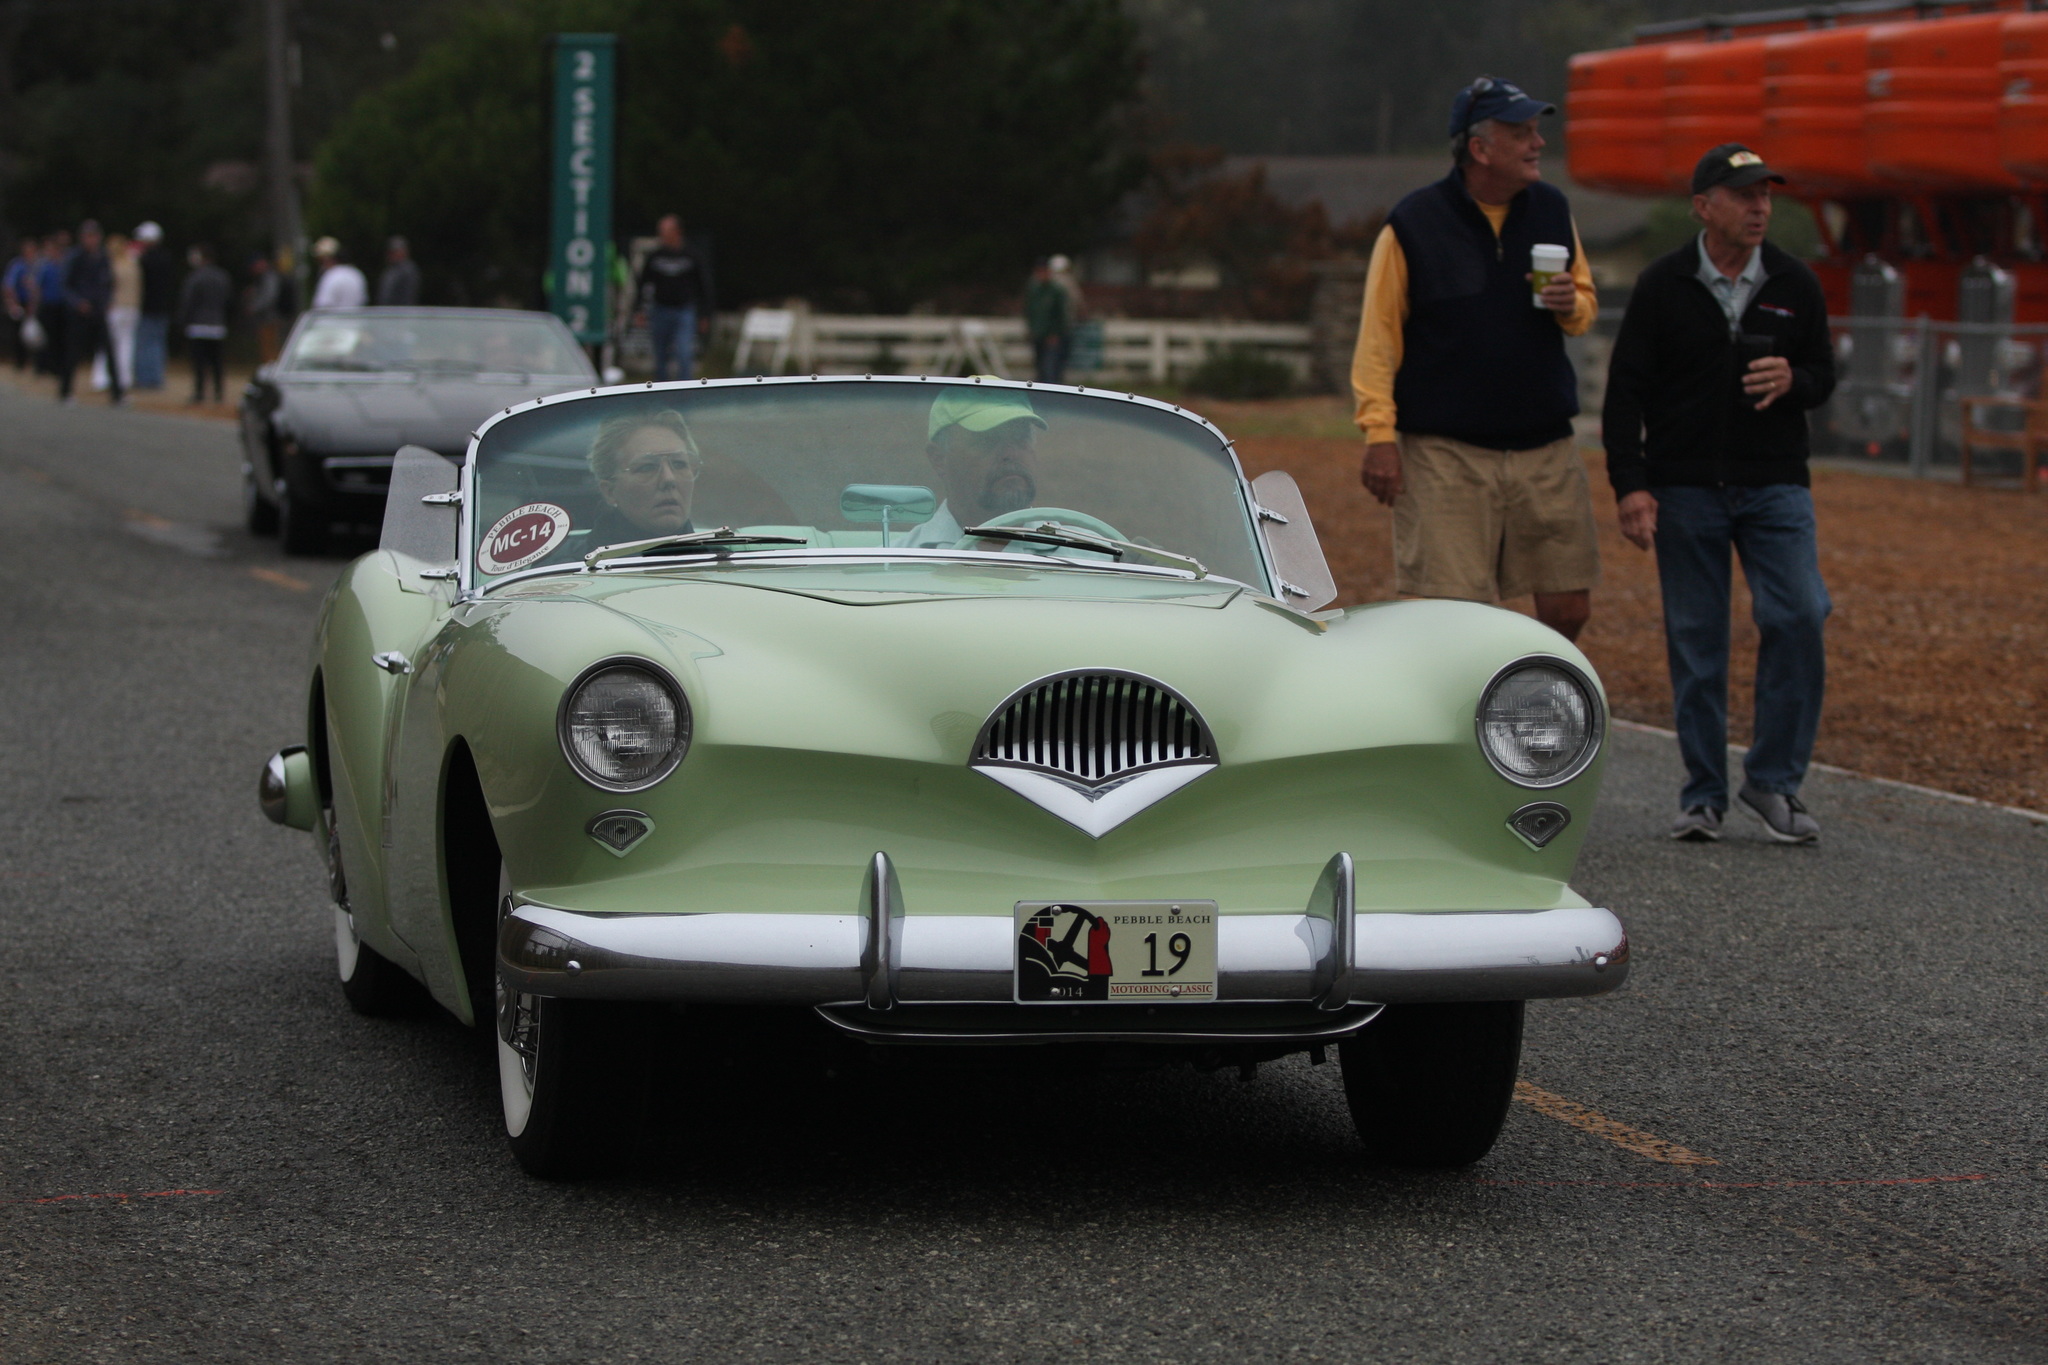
773,327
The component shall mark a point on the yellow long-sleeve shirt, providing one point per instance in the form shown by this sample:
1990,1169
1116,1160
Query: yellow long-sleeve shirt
1378,355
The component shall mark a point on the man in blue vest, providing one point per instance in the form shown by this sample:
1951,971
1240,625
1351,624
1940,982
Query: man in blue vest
1465,395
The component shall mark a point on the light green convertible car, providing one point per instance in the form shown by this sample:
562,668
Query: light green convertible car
950,713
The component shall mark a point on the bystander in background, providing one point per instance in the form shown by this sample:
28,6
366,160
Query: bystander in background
1465,394
269,306
203,314
1049,319
1722,351
89,295
341,284
677,300
399,284
19,290
122,316
52,314
159,301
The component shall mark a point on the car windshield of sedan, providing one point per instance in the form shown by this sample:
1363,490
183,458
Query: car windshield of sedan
838,466
409,343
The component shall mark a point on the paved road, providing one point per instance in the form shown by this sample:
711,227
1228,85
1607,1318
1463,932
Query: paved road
1853,1034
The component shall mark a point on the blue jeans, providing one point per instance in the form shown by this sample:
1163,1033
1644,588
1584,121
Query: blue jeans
1049,359
675,341
1772,529
150,333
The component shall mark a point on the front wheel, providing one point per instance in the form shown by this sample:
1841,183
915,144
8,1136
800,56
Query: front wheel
556,1081
259,513
1429,1085
301,525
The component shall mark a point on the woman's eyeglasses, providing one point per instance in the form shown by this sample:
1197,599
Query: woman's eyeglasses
650,466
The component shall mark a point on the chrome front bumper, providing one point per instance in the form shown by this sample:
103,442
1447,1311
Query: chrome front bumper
881,958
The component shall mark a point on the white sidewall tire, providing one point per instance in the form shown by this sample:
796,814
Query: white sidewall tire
348,949
513,1091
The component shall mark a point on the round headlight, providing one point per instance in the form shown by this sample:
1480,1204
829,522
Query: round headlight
624,725
1540,722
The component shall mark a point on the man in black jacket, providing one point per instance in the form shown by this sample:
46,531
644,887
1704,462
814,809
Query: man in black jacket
1722,351
89,290
676,298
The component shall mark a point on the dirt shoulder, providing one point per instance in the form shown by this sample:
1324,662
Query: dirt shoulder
1937,650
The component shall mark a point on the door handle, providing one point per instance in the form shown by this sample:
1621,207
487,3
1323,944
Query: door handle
391,661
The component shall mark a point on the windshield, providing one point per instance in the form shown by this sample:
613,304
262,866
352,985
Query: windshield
851,466
457,344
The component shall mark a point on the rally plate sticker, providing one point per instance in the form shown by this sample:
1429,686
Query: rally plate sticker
1132,952
521,536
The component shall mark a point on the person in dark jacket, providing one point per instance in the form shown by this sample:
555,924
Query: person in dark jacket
88,294
159,301
52,312
1465,394
1722,352
1049,319
676,299
203,313
399,284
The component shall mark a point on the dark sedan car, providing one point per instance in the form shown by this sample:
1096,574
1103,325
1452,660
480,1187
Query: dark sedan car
319,427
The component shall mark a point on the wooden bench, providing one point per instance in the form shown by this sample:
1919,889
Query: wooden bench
2028,440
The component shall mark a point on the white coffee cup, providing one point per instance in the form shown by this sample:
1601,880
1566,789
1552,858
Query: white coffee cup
1545,260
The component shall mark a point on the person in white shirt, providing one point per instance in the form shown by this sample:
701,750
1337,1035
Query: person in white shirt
341,284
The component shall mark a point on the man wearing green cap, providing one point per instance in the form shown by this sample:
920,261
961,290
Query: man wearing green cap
983,445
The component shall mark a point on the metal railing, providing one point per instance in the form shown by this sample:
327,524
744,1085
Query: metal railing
1901,383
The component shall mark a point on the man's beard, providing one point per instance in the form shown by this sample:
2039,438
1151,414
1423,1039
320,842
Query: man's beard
1008,490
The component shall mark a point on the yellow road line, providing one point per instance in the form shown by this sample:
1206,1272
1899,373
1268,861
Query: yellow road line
279,579
1599,1125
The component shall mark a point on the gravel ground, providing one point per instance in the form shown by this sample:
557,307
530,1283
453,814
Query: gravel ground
1937,651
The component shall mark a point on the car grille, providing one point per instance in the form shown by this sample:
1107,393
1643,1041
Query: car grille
1095,729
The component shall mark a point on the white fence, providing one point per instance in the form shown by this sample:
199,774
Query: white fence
781,341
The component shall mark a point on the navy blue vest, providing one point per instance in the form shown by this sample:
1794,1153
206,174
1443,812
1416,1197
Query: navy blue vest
1479,363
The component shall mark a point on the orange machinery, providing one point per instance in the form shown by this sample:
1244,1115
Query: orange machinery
1713,93
1917,133
1932,120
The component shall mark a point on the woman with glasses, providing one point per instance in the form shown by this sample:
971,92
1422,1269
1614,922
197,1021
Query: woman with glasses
646,467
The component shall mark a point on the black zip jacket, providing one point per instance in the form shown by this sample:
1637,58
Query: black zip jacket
1675,410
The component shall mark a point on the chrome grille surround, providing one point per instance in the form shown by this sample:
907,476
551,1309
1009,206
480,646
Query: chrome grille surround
1094,729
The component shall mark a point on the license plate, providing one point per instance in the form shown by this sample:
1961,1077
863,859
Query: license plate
1132,952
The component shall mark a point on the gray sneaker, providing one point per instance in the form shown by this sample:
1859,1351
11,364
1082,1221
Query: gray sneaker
1699,825
1785,819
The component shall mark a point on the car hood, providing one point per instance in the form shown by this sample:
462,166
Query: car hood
908,661
376,414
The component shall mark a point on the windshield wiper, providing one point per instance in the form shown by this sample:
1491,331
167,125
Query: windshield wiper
718,539
1057,533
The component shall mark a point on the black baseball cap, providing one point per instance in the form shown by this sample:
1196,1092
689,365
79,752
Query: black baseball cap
1491,97
1733,165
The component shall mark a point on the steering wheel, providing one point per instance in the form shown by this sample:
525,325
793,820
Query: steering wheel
1031,516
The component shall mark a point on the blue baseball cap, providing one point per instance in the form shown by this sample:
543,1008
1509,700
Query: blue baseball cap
1490,97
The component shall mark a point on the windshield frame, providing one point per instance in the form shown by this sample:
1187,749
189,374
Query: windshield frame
710,557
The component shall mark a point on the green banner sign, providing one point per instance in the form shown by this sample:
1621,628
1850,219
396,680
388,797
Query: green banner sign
579,254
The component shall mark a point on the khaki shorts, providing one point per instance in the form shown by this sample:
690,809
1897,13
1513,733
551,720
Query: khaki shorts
1488,525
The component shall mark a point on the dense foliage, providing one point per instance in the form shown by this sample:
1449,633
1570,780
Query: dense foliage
865,153
133,109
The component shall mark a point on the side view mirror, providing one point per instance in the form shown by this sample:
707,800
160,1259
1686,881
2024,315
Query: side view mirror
612,374
903,503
